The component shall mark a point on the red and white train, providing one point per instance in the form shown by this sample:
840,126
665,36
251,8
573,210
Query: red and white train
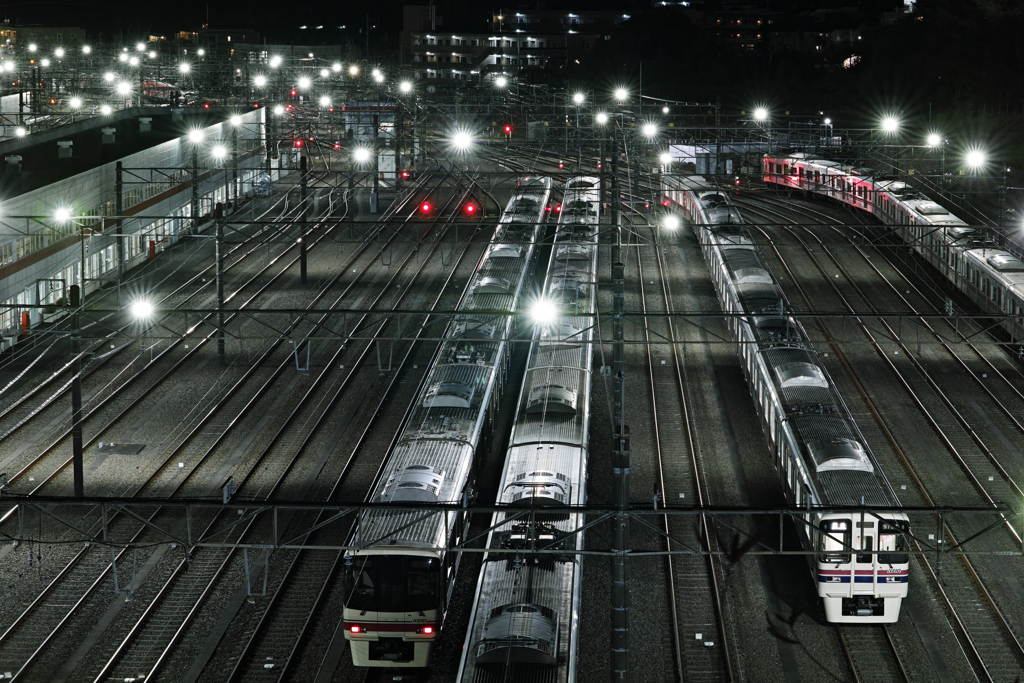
988,274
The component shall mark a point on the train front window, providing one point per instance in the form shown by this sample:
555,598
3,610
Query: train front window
395,583
835,541
864,557
892,543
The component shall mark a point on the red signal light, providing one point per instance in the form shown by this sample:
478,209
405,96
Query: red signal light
425,207
337,146
298,143
561,165
508,130
558,208
470,208
206,106
256,105
405,174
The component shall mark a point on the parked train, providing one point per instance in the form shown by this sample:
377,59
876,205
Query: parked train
988,274
399,577
526,610
861,561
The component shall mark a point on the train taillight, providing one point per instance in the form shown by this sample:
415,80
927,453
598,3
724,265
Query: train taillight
428,629
354,628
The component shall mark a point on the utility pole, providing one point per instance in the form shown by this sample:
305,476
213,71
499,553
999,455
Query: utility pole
195,189
74,301
219,258
119,210
620,475
615,200
302,219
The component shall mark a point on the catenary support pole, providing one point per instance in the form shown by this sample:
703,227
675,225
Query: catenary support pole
74,301
303,181
620,476
219,256
119,210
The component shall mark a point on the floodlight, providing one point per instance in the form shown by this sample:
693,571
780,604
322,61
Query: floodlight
62,215
650,130
235,120
86,50
140,46
406,86
275,62
219,151
124,88
975,158
500,82
361,155
890,124
75,102
760,114
670,222
578,98
200,52
109,77
278,110
336,68
106,110
353,70
141,309
134,61
184,68
195,136
602,118
934,140
260,81
325,73
304,83
621,94
59,52
462,140
325,101
543,312
665,158
20,132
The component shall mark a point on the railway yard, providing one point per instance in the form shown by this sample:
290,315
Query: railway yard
254,375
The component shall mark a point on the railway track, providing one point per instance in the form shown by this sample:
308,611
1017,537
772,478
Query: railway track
694,585
871,654
70,587
983,629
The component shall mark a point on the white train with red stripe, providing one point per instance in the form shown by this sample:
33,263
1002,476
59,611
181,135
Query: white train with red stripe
860,563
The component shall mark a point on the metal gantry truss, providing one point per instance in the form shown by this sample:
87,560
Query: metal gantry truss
101,521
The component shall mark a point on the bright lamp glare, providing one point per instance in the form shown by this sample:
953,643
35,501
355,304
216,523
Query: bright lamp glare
303,82
195,136
670,222
361,155
33,47
760,114
500,82
8,66
124,88
220,151
278,110
152,54
934,139
62,215
325,73
890,124
543,312
975,158
59,52
621,94
325,101
184,68
140,46
141,309
578,98
123,57
20,132
650,130
602,118
106,110
75,102
86,49
665,158
275,62
353,70
406,86
134,61
336,68
109,77
260,81
236,120
375,73
462,140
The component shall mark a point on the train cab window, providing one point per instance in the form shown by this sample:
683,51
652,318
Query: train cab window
393,583
864,557
892,543
835,541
